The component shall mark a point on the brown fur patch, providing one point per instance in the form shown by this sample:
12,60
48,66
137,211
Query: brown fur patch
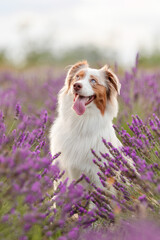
73,70
111,82
81,74
101,97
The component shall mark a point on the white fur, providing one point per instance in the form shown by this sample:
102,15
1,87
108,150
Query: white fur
75,135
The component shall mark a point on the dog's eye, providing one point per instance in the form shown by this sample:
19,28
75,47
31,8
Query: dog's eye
77,77
93,81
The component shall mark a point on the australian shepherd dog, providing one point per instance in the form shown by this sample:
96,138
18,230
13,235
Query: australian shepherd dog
87,104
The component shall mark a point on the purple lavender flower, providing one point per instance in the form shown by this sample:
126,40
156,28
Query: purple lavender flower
18,110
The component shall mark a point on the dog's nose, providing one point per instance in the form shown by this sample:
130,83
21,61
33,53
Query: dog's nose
77,86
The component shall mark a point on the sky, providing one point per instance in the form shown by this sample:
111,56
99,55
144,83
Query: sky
123,26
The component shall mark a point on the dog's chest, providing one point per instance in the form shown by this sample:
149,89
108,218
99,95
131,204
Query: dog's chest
75,141
76,151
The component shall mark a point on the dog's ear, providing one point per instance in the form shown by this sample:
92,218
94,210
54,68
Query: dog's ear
111,79
73,70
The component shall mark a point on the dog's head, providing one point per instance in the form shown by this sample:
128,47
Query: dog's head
91,86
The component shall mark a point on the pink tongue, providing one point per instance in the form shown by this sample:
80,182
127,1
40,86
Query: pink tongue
79,105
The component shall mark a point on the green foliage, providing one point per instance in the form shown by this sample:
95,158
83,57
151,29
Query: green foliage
45,55
94,55
39,57
150,60
36,232
3,57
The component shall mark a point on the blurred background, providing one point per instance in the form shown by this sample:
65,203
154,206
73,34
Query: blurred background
60,32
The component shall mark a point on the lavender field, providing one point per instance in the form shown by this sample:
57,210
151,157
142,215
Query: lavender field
27,199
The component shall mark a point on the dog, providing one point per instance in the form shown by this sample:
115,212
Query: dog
87,104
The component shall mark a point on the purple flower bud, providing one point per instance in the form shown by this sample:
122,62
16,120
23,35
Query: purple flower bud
156,152
111,215
63,238
49,234
36,187
5,218
142,198
23,238
27,227
18,109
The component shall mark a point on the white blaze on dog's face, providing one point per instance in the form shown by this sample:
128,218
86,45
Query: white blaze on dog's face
91,86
